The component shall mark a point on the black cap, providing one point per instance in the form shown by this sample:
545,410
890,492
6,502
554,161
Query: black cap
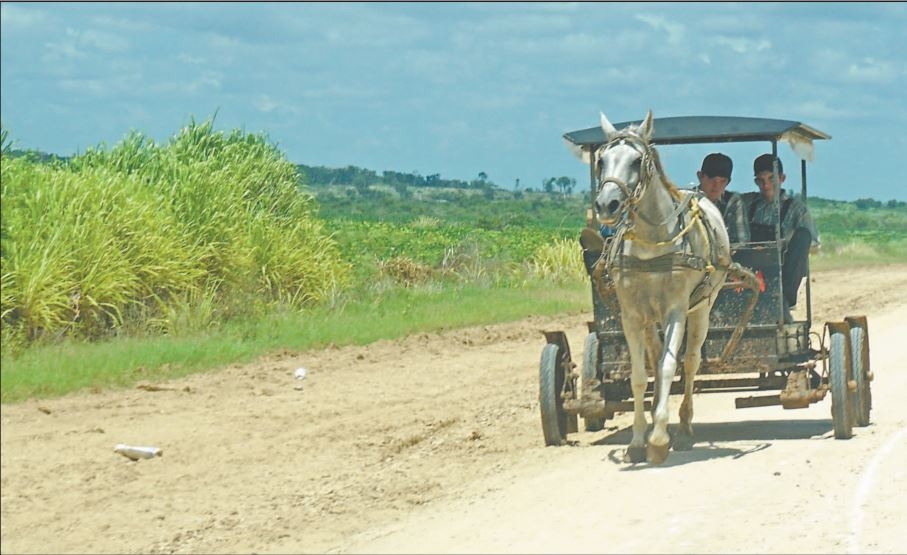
717,165
764,164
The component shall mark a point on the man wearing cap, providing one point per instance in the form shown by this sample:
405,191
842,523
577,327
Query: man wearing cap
798,230
714,178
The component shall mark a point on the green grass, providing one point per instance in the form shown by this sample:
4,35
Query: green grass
50,371
841,250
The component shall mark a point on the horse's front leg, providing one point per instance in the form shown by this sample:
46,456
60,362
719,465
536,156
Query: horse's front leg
659,439
697,327
653,355
636,452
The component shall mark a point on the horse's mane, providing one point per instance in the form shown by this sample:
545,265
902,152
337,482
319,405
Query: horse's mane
672,188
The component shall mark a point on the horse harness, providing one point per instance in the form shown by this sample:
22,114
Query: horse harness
613,256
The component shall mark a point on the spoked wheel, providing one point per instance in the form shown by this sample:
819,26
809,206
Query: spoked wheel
862,375
552,375
840,363
590,371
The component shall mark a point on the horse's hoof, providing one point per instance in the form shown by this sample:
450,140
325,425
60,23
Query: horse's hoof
656,454
683,442
635,455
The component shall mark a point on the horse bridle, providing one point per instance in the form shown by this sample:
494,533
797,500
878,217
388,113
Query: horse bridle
646,170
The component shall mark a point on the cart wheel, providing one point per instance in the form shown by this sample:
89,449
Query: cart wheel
551,385
859,345
590,369
840,373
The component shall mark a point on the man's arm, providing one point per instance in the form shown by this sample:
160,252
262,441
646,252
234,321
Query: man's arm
738,228
798,216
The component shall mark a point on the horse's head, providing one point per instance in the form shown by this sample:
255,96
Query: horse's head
621,166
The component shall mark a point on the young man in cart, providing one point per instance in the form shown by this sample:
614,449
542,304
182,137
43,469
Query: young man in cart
798,230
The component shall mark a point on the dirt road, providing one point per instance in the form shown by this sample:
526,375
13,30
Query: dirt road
433,444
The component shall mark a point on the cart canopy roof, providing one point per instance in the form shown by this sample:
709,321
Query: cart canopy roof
711,129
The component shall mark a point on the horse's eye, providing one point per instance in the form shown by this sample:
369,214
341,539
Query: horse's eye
637,163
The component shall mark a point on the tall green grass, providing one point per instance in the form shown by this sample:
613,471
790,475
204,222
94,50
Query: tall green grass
560,261
143,238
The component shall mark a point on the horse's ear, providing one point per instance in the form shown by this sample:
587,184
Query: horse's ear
646,128
607,127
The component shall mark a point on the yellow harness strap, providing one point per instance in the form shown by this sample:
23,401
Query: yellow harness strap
695,220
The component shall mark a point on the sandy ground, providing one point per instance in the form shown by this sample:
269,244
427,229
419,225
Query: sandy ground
433,444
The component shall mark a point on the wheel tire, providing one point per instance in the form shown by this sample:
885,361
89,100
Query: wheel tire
859,345
840,371
590,371
551,384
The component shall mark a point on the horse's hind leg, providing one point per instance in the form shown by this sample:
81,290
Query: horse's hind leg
697,327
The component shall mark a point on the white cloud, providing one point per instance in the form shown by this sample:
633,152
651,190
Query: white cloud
438,67
266,104
675,31
106,42
870,70
521,24
374,30
58,51
125,83
126,25
78,44
818,109
94,87
191,60
742,45
218,40
208,81
352,91
840,65
13,17
583,42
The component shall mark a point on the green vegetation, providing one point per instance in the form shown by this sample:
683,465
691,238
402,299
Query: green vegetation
143,261
860,232
146,239
58,369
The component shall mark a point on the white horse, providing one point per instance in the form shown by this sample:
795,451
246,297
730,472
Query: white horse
668,261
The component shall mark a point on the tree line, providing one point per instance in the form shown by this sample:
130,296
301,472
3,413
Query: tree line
362,178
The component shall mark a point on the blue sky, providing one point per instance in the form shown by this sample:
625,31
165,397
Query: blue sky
463,88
